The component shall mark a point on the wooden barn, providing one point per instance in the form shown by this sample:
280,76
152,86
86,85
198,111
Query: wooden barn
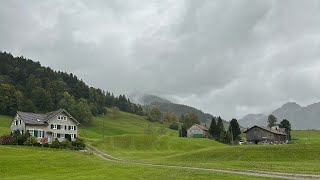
259,135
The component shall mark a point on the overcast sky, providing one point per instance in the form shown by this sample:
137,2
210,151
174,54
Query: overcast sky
227,58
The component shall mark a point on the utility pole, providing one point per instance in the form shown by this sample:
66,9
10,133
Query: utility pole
231,134
103,126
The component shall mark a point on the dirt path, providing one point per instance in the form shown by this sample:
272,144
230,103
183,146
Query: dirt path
280,175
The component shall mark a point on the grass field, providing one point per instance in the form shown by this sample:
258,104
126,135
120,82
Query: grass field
43,163
125,124
125,138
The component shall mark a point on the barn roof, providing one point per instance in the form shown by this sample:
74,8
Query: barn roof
280,132
205,128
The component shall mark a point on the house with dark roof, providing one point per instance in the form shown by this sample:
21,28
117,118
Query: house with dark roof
259,134
198,131
56,124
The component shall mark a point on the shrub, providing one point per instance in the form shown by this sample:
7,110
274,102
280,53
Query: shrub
66,144
43,140
30,141
45,145
6,140
174,126
55,144
78,144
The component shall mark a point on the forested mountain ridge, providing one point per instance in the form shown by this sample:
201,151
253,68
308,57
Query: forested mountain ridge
25,85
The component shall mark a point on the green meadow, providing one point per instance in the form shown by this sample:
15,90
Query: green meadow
125,139
44,163
126,123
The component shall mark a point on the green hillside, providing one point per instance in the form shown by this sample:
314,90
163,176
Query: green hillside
125,123
150,147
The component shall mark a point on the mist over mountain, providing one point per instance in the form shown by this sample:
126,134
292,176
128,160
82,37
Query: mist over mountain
299,117
147,99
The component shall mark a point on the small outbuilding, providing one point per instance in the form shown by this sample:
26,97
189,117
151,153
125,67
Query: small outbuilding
259,135
198,131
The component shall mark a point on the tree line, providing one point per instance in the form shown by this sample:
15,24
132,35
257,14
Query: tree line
25,85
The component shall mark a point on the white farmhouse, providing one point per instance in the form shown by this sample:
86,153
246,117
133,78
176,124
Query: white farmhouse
56,124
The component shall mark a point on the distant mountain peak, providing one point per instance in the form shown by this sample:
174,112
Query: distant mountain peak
299,117
290,105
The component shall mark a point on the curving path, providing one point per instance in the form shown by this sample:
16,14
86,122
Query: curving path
280,175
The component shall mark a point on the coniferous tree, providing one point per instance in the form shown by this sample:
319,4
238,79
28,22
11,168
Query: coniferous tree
234,128
213,128
220,127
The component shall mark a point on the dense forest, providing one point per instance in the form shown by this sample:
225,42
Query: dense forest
25,85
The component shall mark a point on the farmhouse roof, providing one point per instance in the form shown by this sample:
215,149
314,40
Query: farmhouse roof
41,119
205,128
280,131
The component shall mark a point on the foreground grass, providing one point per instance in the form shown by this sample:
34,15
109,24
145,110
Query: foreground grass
44,163
125,123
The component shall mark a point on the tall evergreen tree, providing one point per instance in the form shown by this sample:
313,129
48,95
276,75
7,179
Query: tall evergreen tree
234,128
220,127
213,128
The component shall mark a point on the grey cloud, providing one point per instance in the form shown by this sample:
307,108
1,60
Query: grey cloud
227,58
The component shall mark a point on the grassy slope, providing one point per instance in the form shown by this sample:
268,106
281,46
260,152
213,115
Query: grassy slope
44,163
126,123
147,147
303,157
4,124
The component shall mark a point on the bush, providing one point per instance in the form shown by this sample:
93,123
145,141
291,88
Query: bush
66,144
78,144
45,145
6,140
174,126
55,144
30,141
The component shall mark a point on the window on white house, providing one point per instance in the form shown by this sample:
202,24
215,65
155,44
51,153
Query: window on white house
62,136
40,134
72,128
72,136
62,118
20,121
31,132
54,126
15,122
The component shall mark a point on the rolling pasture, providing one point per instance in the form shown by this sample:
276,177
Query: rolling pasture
125,139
